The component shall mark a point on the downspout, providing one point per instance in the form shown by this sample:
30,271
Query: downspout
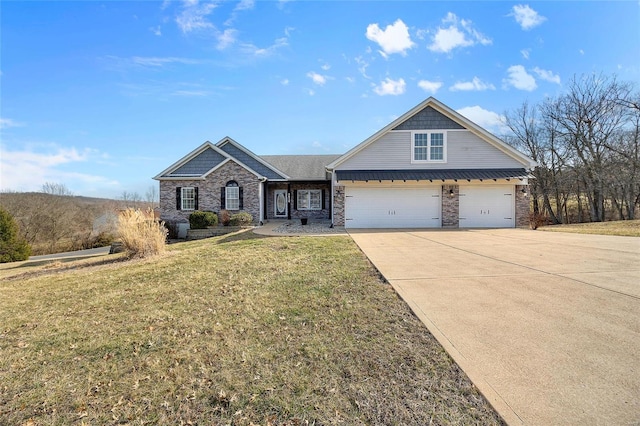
262,197
289,196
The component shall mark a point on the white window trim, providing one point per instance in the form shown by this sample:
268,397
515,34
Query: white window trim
227,198
308,206
428,133
183,198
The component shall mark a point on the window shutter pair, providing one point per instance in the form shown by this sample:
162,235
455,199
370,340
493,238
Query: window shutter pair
223,198
179,198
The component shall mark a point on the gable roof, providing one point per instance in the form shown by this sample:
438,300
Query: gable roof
207,158
302,167
438,106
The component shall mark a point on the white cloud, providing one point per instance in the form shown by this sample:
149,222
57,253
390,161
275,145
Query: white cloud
362,66
390,87
325,67
393,39
455,33
156,30
226,38
525,53
264,52
520,79
547,75
5,123
430,86
28,170
153,61
475,84
526,17
193,16
318,79
284,81
245,5
310,92
489,120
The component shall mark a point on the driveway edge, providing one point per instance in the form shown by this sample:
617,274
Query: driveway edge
494,398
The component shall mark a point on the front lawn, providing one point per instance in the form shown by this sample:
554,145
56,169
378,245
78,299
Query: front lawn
627,228
231,330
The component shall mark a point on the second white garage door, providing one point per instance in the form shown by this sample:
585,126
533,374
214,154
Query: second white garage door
392,207
490,206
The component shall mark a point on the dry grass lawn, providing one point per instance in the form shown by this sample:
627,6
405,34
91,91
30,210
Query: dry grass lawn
627,228
233,330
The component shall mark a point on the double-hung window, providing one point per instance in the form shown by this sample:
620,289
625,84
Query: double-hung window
188,198
429,147
309,199
232,196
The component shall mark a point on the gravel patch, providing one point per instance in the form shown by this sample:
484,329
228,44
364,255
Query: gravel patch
315,227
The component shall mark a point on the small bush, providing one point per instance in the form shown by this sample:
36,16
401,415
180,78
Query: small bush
241,219
201,220
537,220
12,246
225,217
140,233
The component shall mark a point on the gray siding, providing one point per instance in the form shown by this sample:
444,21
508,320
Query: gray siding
201,164
464,151
250,162
428,119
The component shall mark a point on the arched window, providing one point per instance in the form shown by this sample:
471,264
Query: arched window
232,195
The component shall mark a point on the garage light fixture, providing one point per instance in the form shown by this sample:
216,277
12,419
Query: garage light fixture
524,191
451,193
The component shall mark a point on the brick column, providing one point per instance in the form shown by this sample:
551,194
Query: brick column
523,206
338,206
450,206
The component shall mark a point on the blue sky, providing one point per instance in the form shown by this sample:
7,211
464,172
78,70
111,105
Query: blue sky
103,95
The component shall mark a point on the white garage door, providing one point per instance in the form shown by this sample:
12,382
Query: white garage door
392,207
490,206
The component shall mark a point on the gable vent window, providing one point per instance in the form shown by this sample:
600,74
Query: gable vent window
429,147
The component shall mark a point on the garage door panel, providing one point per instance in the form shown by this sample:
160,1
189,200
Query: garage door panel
490,206
381,207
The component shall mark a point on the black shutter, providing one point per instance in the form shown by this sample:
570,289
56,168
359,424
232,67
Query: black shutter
323,198
195,190
240,198
295,200
179,198
223,203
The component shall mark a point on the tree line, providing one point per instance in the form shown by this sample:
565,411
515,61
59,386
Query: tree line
586,142
54,220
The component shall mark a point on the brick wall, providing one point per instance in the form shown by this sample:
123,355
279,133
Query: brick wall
522,206
209,193
450,206
338,206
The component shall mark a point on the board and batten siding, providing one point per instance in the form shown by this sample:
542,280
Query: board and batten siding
465,150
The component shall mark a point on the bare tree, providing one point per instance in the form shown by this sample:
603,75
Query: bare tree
587,117
152,196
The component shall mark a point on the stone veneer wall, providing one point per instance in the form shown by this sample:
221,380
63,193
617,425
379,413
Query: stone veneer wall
523,207
450,206
338,205
325,213
209,193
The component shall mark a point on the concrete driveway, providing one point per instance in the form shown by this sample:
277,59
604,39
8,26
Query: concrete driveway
546,324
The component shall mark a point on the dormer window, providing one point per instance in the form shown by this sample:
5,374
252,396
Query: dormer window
429,146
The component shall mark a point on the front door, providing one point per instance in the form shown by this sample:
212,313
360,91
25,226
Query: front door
280,203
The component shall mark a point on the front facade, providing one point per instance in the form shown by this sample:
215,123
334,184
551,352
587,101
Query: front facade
227,176
430,168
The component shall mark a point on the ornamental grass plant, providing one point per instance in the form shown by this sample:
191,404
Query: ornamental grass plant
141,234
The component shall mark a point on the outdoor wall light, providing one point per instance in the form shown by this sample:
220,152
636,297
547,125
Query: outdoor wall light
451,193
524,191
